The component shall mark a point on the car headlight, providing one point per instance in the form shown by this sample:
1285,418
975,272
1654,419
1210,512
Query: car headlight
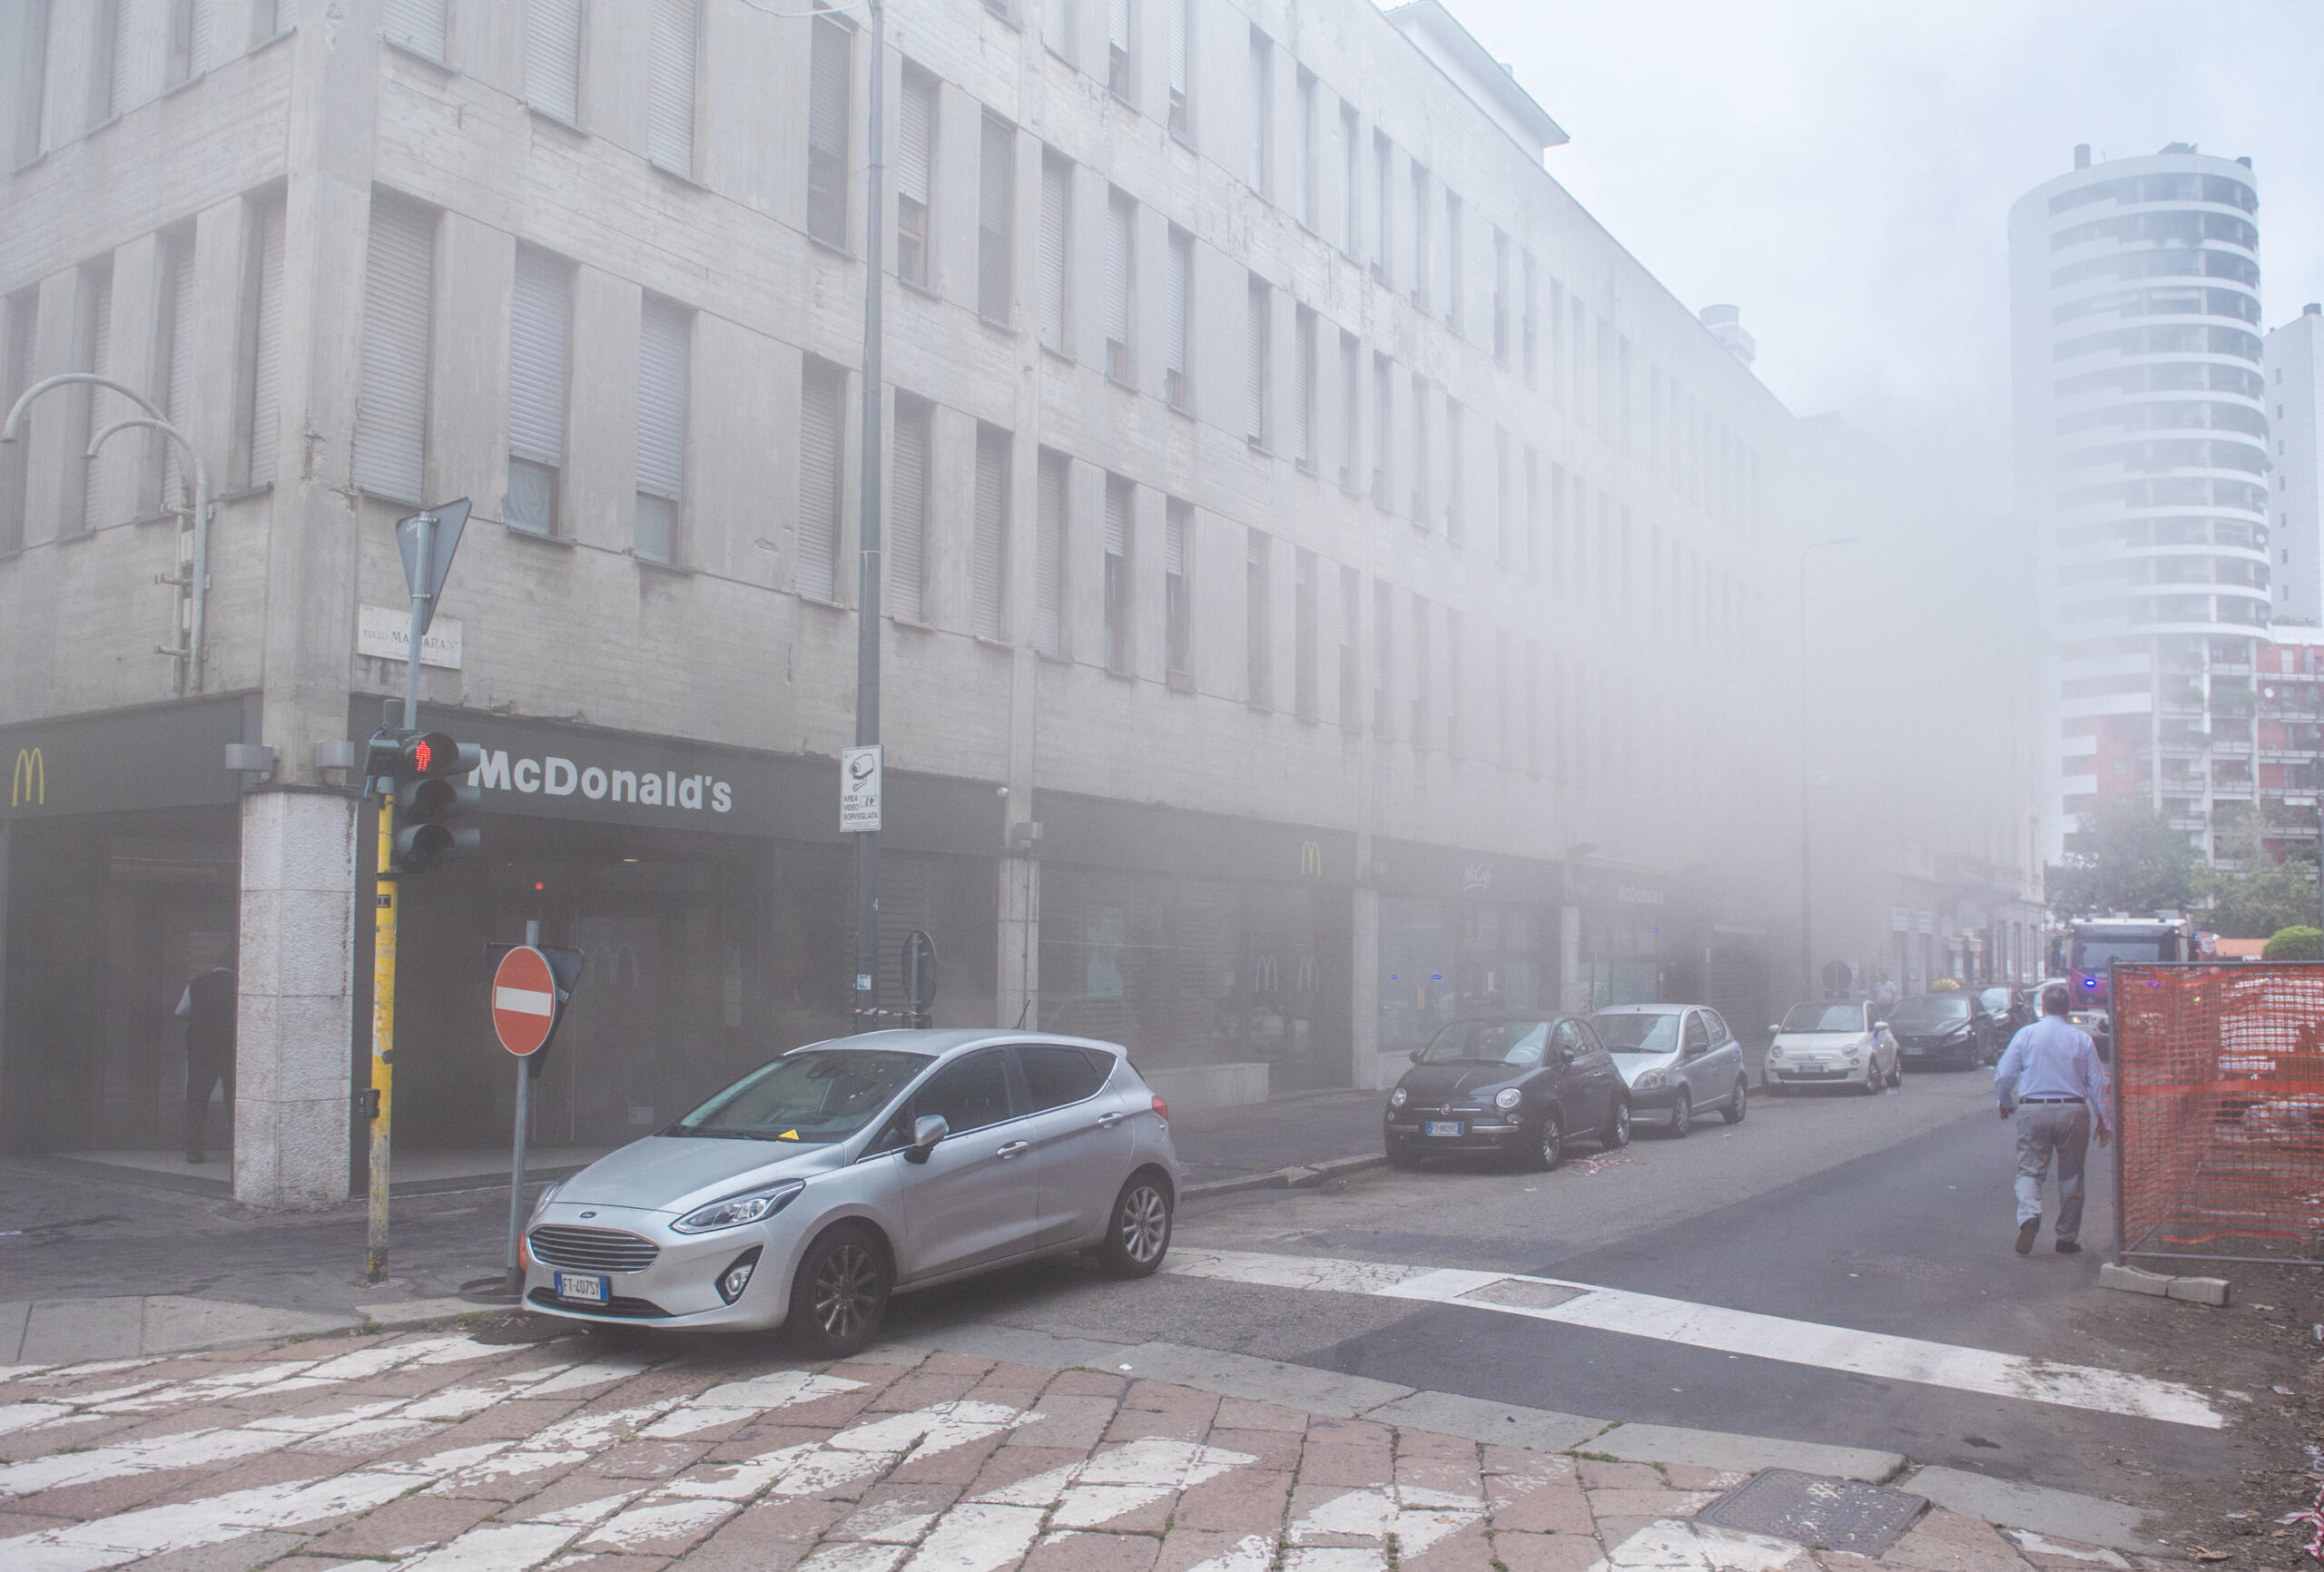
547,1196
1775,1052
1648,1081
1508,1097
750,1206
1397,1098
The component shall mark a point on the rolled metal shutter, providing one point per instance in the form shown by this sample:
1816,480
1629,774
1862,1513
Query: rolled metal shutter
1057,27
104,408
819,425
391,403
996,218
1117,501
670,68
266,348
1121,221
906,549
1117,24
553,58
832,60
916,139
540,328
661,368
1182,284
1173,543
1303,392
415,24
117,78
1057,219
989,555
201,34
1179,50
1255,362
1049,556
180,393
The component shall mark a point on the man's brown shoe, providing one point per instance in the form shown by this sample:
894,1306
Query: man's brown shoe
2026,1232
2068,1247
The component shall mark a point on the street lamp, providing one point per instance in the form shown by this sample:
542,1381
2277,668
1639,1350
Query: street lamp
868,544
195,586
1806,895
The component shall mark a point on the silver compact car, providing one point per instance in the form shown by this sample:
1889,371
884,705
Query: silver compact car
1676,1060
805,1193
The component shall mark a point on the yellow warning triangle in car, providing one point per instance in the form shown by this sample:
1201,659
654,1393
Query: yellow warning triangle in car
788,1136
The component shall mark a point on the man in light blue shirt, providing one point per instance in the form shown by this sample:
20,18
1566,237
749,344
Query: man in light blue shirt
2053,1080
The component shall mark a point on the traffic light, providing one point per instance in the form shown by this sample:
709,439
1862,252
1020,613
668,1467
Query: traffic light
430,791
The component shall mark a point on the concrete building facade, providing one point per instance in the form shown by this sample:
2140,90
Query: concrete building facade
2144,464
1329,584
2294,368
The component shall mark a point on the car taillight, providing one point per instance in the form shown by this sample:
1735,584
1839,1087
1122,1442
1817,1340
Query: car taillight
1161,1108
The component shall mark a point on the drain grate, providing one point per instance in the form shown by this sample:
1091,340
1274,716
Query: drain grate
1818,1511
1524,1293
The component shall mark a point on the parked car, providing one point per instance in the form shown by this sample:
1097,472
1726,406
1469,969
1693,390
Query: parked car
2011,1006
1832,1042
1523,1088
1952,1029
1676,1059
805,1193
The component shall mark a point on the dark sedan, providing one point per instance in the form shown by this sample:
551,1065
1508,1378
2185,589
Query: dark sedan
1522,1088
1953,1029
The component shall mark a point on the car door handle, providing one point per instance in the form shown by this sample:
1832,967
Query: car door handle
1107,1121
1012,1150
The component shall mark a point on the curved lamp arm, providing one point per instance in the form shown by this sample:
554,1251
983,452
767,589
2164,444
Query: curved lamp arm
68,378
198,589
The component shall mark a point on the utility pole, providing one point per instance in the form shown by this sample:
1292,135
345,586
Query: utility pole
867,594
1807,784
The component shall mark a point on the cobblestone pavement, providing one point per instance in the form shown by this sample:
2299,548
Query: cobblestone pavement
440,1452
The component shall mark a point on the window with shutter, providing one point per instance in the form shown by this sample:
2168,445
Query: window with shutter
415,24
1456,738
822,422
103,408
996,218
915,173
1121,230
1351,674
1305,637
671,69
391,400
1456,472
16,374
1051,512
178,380
540,330
1456,266
1302,415
263,332
1258,388
830,65
1420,738
1120,495
119,20
1261,112
194,28
1384,160
1181,66
1421,493
1179,331
1057,240
1383,659
1420,237
1383,431
665,333
907,535
1178,589
989,553
1351,178
1304,179
553,58
1258,623
1057,27
1351,433
1119,25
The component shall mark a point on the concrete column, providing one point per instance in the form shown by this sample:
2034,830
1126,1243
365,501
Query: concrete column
1569,957
1017,990
290,1057
1363,1004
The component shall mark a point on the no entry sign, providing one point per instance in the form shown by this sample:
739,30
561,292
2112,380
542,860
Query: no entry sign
523,1001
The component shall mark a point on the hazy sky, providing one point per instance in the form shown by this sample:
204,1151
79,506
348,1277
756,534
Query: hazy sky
1842,169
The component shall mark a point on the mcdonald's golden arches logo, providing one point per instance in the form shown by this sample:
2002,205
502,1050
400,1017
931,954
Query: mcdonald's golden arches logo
28,780
1311,859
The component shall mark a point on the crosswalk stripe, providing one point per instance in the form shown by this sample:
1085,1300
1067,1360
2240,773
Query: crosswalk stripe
1801,1342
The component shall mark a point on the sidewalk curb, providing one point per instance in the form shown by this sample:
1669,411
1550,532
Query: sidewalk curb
1728,1452
1298,1177
2087,1520
2212,1290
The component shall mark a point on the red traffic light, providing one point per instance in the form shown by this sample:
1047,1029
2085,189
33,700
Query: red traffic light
436,754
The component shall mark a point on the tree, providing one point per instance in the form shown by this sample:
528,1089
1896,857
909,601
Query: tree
2125,858
2260,896
2296,944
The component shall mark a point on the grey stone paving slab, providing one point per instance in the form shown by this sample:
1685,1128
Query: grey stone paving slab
1020,1345
1475,1419
2061,1513
1239,1375
172,1323
13,1317
1746,1454
61,1331
1817,1510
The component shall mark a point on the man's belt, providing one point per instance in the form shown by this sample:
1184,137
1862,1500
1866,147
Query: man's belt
2049,1099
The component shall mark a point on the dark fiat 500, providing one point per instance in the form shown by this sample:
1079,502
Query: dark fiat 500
1525,1088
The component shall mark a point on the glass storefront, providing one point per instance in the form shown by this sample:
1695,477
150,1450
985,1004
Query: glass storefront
1188,972
1442,960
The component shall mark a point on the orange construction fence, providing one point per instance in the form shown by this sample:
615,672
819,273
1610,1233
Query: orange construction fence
2218,1097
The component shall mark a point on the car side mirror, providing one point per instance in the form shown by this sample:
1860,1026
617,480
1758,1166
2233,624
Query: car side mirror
1880,1025
926,1132
1415,1054
1777,1028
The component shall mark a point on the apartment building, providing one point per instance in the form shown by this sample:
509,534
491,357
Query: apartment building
1328,584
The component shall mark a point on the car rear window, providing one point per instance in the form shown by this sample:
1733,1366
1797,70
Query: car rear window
1057,1074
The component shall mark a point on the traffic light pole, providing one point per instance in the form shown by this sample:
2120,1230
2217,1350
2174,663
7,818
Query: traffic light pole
383,945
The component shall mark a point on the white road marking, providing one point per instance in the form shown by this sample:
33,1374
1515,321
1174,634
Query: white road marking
189,1525
1675,1546
1417,1517
1801,1342
1113,1484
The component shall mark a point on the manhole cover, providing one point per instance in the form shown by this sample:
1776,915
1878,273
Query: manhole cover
1523,1293
1818,1511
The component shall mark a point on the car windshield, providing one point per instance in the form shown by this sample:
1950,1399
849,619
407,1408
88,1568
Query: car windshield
1489,1043
814,1097
1825,1018
1995,1000
1646,1032
1929,1010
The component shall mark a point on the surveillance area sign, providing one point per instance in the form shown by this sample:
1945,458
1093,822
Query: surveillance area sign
859,788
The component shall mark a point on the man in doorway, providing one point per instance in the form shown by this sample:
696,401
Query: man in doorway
208,1007
2053,1080
1885,996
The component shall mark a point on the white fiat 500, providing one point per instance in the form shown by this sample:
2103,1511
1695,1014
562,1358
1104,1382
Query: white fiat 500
809,1190
1832,1042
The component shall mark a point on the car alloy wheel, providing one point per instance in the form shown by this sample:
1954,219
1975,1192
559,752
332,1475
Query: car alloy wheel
1738,1104
1617,1133
841,1295
1682,1114
1547,1149
1874,1081
1138,1234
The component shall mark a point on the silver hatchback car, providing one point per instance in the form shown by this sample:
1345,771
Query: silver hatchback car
807,1191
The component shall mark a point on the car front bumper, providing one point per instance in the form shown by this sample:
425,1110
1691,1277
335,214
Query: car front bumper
1653,1100
1787,1074
679,1287
1952,1048
1497,1133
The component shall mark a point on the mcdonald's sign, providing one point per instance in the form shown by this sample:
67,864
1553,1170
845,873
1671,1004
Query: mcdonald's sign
28,780
1311,859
